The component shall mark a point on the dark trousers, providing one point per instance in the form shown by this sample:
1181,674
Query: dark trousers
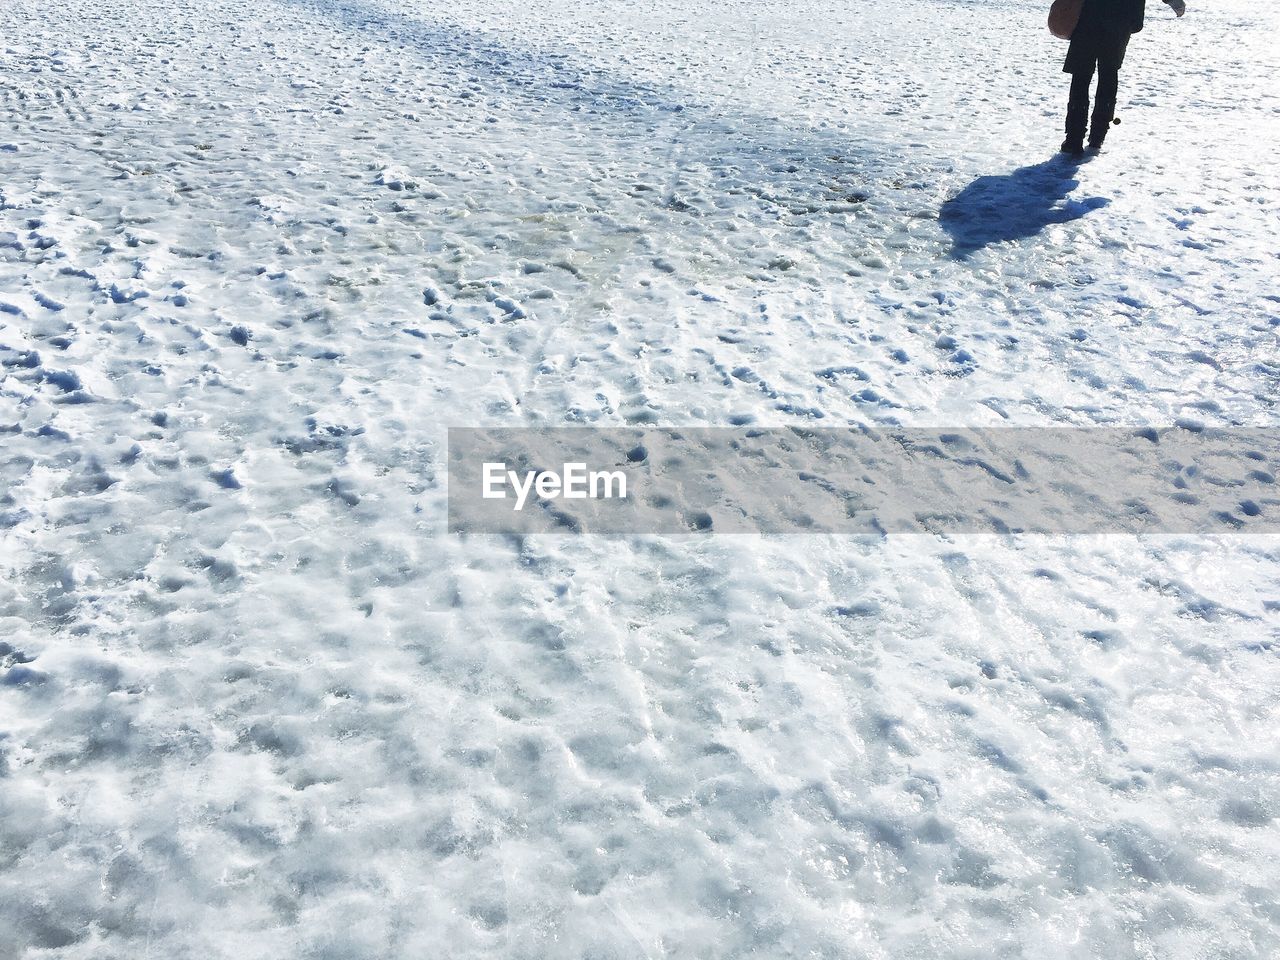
1104,105
1096,46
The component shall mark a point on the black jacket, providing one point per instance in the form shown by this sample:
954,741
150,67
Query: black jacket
1118,16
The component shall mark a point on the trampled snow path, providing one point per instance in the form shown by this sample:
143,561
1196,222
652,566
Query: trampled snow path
254,257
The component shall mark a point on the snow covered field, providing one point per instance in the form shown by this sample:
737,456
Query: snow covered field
255,702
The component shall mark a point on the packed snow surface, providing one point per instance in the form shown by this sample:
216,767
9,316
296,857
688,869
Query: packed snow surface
256,702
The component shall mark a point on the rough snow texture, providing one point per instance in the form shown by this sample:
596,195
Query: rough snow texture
254,703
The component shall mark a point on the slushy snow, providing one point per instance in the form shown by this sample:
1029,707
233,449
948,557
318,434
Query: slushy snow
256,702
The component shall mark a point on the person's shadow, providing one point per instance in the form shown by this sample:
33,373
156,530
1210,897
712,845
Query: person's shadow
1012,206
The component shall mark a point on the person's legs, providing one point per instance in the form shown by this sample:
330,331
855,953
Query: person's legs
1078,109
1110,57
1104,105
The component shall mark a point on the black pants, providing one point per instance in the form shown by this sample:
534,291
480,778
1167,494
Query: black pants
1095,46
1104,105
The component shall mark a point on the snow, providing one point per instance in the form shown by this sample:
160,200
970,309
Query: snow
255,258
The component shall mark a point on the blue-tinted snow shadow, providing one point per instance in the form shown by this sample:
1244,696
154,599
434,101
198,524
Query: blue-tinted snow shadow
780,164
1014,206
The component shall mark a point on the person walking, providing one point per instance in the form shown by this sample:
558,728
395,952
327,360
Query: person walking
1098,43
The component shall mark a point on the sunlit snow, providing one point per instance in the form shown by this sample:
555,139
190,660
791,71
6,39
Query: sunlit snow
256,702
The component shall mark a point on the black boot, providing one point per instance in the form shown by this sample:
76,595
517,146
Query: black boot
1077,112
1098,128
1074,144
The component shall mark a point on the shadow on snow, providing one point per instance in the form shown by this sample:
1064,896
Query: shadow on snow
786,170
1014,206
778,163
